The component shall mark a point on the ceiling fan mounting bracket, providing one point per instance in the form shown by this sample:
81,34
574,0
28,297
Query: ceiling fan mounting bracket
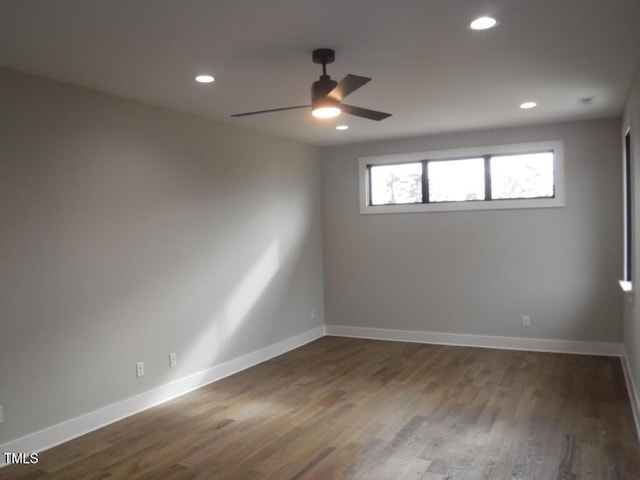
324,56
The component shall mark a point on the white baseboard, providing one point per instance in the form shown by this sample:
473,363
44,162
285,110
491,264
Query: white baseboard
57,434
632,388
509,343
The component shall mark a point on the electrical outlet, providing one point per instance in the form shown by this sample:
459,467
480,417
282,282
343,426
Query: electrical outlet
1,415
139,369
173,360
526,320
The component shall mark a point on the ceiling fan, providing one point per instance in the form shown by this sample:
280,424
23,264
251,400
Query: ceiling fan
327,94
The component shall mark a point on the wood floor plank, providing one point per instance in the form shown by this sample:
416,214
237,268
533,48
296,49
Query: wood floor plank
343,408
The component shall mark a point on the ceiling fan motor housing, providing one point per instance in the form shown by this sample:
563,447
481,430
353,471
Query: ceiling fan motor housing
320,91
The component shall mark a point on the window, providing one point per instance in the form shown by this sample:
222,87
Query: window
522,176
504,176
626,282
396,183
456,180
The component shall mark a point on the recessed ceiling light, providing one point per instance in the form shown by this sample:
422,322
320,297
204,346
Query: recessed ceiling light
483,23
342,127
528,105
204,79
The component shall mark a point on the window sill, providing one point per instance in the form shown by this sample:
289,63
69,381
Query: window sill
463,206
626,286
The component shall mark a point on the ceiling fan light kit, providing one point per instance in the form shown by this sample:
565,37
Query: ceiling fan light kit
327,94
325,112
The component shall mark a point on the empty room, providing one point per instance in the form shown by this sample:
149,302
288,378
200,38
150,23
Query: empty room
287,239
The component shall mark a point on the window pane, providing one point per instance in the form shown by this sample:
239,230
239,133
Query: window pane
522,176
393,184
456,180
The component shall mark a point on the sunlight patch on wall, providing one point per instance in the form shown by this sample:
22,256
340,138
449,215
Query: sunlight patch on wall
250,288
234,308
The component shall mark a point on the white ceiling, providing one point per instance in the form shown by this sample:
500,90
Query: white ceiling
429,69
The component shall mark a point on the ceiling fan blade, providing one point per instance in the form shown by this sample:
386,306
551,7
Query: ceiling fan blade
246,114
347,85
364,112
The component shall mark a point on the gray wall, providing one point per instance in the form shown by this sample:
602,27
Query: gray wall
478,272
129,232
631,120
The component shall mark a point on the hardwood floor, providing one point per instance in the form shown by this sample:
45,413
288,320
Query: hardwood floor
343,408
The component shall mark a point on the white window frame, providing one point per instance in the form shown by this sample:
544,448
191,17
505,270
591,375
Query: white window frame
557,146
